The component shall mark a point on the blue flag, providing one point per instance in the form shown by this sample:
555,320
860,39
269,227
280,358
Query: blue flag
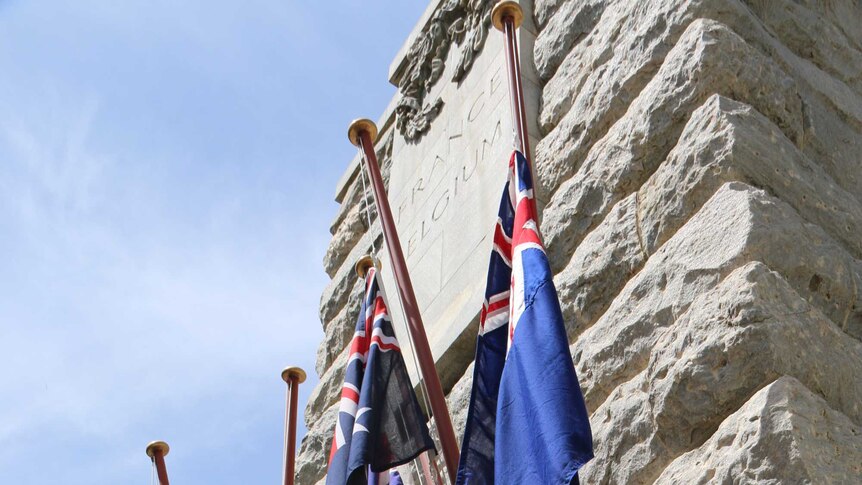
527,422
380,424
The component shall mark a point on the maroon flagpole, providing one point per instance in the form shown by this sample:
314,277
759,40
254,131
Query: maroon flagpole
293,377
507,16
362,133
157,450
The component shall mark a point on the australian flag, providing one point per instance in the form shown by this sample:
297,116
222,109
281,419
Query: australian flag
380,424
527,422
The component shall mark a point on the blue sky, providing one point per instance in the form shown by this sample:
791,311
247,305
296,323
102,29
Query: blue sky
167,172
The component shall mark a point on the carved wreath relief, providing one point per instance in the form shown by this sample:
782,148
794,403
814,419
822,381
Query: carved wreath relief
463,22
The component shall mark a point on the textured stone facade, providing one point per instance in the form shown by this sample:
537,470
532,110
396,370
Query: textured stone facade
700,168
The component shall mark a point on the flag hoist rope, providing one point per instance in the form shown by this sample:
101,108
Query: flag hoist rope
362,133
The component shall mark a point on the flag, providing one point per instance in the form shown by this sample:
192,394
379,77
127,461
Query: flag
527,422
380,424
392,477
476,466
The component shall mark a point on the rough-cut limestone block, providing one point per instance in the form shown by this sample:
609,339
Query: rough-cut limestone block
610,50
459,400
813,37
347,203
606,70
314,450
729,343
328,390
605,260
726,140
347,234
723,141
339,332
544,9
570,24
709,58
845,14
738,224
336,293
784,434
595,84
338,290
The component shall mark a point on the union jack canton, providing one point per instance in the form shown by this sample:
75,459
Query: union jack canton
527,422
380,424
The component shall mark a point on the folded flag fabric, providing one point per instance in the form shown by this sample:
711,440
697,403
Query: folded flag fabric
476,466
527,422
380,424
392,477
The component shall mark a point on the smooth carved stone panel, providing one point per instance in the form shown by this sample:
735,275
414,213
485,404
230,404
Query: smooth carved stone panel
445,192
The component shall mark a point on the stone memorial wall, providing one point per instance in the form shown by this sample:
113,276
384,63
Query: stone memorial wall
700,171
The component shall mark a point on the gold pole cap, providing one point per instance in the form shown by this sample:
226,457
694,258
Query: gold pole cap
155,446
297,372
364,264
507,8
360,125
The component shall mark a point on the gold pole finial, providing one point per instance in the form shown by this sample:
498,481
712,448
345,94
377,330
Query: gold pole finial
155,446
360,125
506,8
364,264
293,371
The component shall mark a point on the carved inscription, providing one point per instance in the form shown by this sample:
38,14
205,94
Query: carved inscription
442,181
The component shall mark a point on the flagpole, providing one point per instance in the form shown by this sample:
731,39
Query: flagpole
157,450
293,377
506,17
362,266
362,133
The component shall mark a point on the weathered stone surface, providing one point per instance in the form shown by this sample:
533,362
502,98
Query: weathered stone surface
327,391
335,295
723,141
727,140
347,234
685,288
595,84
314,450
813,38
709,58
730,342
606,259
339,331
738,224
571,24
459,401
783,434
544,9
